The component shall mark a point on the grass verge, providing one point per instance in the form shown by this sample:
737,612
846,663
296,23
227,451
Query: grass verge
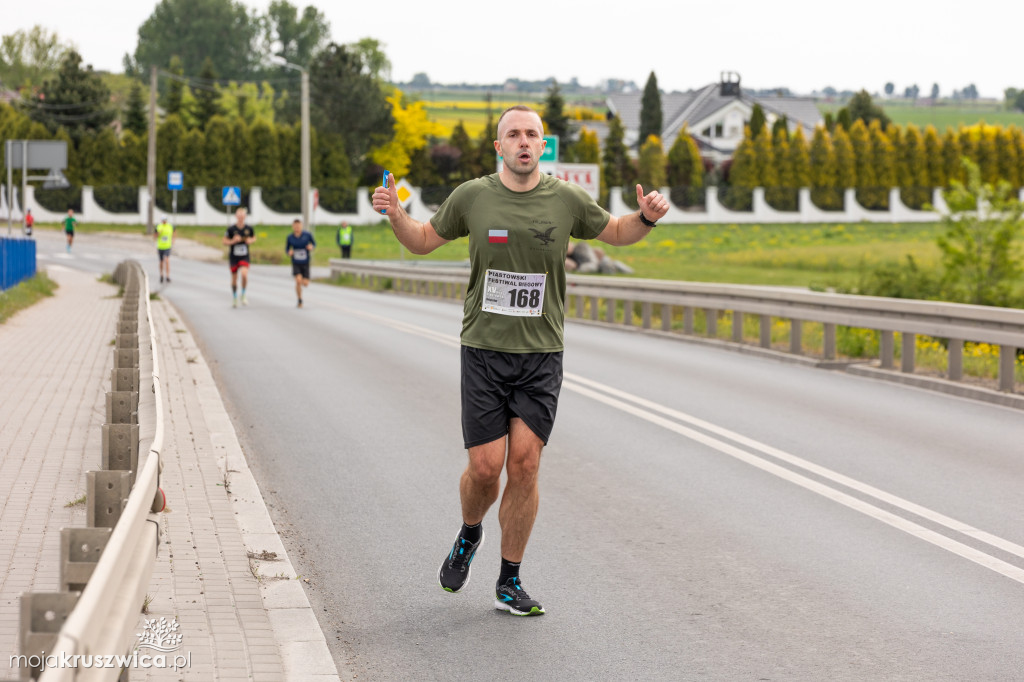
25,294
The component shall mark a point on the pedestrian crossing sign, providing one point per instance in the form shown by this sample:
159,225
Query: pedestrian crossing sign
231,196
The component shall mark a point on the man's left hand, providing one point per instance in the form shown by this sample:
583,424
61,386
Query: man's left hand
654,206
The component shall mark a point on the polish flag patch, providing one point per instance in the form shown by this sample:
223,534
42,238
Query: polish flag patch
497,236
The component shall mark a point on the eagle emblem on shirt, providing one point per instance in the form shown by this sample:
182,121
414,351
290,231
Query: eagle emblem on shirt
545,236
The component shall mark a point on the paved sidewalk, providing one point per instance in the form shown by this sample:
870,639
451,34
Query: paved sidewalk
222,571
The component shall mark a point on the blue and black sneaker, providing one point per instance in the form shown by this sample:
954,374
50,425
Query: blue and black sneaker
512,597
454,572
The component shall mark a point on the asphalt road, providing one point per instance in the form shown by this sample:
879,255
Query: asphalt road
704,514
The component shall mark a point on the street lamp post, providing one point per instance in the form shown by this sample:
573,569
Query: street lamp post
305,162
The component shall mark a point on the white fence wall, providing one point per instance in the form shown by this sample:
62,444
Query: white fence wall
714,212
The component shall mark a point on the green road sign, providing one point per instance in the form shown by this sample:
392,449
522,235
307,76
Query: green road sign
550,153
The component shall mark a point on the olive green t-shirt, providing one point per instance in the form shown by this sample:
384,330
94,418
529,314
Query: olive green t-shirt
517,247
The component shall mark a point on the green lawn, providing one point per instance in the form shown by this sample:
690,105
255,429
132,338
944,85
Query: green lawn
813,255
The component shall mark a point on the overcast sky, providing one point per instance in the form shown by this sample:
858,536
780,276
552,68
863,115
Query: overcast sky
802,44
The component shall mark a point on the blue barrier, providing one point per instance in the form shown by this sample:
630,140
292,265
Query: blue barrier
17,261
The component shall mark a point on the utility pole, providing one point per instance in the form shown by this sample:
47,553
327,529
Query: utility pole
306,180
304,170
151,155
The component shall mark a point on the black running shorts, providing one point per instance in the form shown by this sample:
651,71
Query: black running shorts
163,253
497,386
300,269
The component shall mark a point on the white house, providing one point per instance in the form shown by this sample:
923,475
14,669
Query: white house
715,115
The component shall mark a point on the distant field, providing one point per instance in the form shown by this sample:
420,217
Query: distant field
942,115
448,108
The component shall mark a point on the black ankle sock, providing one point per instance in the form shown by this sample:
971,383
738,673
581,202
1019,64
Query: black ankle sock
472,533
508,570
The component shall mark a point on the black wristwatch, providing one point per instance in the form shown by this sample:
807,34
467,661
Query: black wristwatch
645,221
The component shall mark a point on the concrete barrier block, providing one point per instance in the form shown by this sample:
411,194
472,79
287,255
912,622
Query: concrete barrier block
126,358
124,379
106,494
122,407
42,616
126,341
120,448
80,550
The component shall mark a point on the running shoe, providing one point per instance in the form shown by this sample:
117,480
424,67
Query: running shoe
300,304
455,570
245,301
512,597
234,302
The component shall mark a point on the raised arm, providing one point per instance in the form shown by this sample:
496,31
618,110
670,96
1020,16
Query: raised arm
419,238
629,229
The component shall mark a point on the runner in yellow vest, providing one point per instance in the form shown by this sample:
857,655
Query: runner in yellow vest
164,235
345,239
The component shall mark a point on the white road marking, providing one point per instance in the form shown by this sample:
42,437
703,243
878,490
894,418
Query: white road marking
645,409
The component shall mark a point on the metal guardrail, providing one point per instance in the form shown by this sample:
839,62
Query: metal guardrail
105,570
614,301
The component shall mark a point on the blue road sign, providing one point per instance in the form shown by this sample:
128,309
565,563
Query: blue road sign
175,180
231,196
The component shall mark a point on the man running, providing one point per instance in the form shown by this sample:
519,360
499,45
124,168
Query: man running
239,237
29,222
164,235
518,222
299,246
69,228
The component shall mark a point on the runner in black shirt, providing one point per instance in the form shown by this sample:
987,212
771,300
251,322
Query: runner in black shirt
238,238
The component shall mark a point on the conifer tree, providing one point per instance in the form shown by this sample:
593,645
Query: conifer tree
651,164
757,121
952,167
588,148
206,95
461,141
986,156
615,157
863,155
916,191
131,159
135,118
193,160
783,195
799,163
823,174
767,170
846,161
900,171
289,149
650,110
743,175
172,98
882,157
1018,145
555,118
169,137
781,127
266,160
685,170
968,144
219,167
1006,155
844,120
241,154
933,159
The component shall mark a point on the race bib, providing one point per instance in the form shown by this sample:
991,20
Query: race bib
300,254
514,293
240,250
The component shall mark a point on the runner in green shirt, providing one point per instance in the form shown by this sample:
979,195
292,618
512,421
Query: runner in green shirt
518,222
69,228
164,235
